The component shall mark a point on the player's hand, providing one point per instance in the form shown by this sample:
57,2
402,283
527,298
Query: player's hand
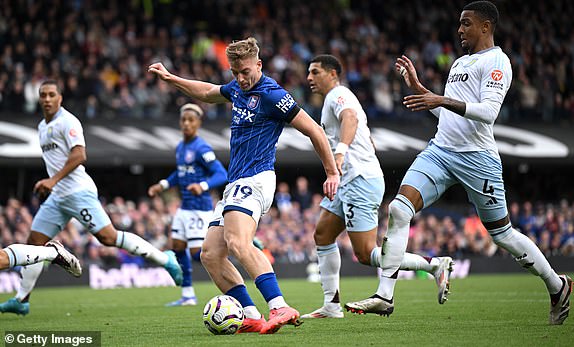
339,158
195,189
154,190
422,102
43,188
330,186
159,70
406,68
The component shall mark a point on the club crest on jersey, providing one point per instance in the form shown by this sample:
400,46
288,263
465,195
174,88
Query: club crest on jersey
189,156
49,132
253,102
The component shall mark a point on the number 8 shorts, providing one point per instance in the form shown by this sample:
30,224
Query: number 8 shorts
57,211
250,195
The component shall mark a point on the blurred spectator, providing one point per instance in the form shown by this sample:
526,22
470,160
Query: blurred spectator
107,46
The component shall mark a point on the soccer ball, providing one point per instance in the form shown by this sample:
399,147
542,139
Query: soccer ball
223,315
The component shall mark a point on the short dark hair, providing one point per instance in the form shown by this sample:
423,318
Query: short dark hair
328,62
52,82
485,9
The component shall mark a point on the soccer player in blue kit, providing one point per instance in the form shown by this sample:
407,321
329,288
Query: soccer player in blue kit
464,152
260,110
198,170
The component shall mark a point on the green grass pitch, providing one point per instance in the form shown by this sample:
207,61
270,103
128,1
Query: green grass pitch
483,310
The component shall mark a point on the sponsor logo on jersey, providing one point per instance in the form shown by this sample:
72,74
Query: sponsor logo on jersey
496,75
240,114
457,77
182,170
49,147
285,103
208,156
253,101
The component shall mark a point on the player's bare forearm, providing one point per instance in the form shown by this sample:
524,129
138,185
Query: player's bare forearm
430,101
204,91
76,158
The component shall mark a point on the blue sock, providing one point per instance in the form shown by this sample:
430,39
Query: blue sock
197,255
185,262
239,292
268,286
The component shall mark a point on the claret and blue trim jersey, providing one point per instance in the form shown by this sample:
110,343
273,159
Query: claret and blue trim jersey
258,118
196,162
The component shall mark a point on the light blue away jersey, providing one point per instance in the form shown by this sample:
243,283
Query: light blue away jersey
196,162
258,118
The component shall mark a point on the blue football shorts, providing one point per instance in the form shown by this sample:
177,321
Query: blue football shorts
480,173
57,211
357,203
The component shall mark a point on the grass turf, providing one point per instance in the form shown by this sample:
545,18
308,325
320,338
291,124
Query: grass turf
493,310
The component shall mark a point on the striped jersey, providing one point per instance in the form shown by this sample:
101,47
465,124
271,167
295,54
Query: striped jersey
258,118
196,162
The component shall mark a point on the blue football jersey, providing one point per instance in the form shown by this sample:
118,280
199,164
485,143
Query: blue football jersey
258,118
196,162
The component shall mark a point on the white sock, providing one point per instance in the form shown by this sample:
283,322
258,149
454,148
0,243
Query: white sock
19,254
528,255
329,260
277,302
386,287
187,292
416,262
30,275
252,312
138,246
401,211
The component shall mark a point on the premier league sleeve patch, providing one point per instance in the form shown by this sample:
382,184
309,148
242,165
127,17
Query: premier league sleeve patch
253,102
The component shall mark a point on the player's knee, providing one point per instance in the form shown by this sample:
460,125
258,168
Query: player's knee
363,257
400,212
107,238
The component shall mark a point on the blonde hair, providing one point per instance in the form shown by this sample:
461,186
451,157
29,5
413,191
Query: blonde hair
191,107
239,50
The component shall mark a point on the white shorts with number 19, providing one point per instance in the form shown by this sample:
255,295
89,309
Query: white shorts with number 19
250,195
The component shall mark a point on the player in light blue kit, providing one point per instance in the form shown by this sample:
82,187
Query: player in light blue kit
198,170
356,205
464,152
260,110
72,193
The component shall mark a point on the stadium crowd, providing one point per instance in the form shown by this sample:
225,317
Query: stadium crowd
102,49
287,230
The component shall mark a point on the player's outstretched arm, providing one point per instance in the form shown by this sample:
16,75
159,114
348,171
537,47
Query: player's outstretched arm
307,126
204,91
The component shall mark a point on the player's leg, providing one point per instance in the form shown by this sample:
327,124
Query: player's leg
52,251
47,223
86,208
482,180
179,230
329,226
425,181
215,259
440,267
